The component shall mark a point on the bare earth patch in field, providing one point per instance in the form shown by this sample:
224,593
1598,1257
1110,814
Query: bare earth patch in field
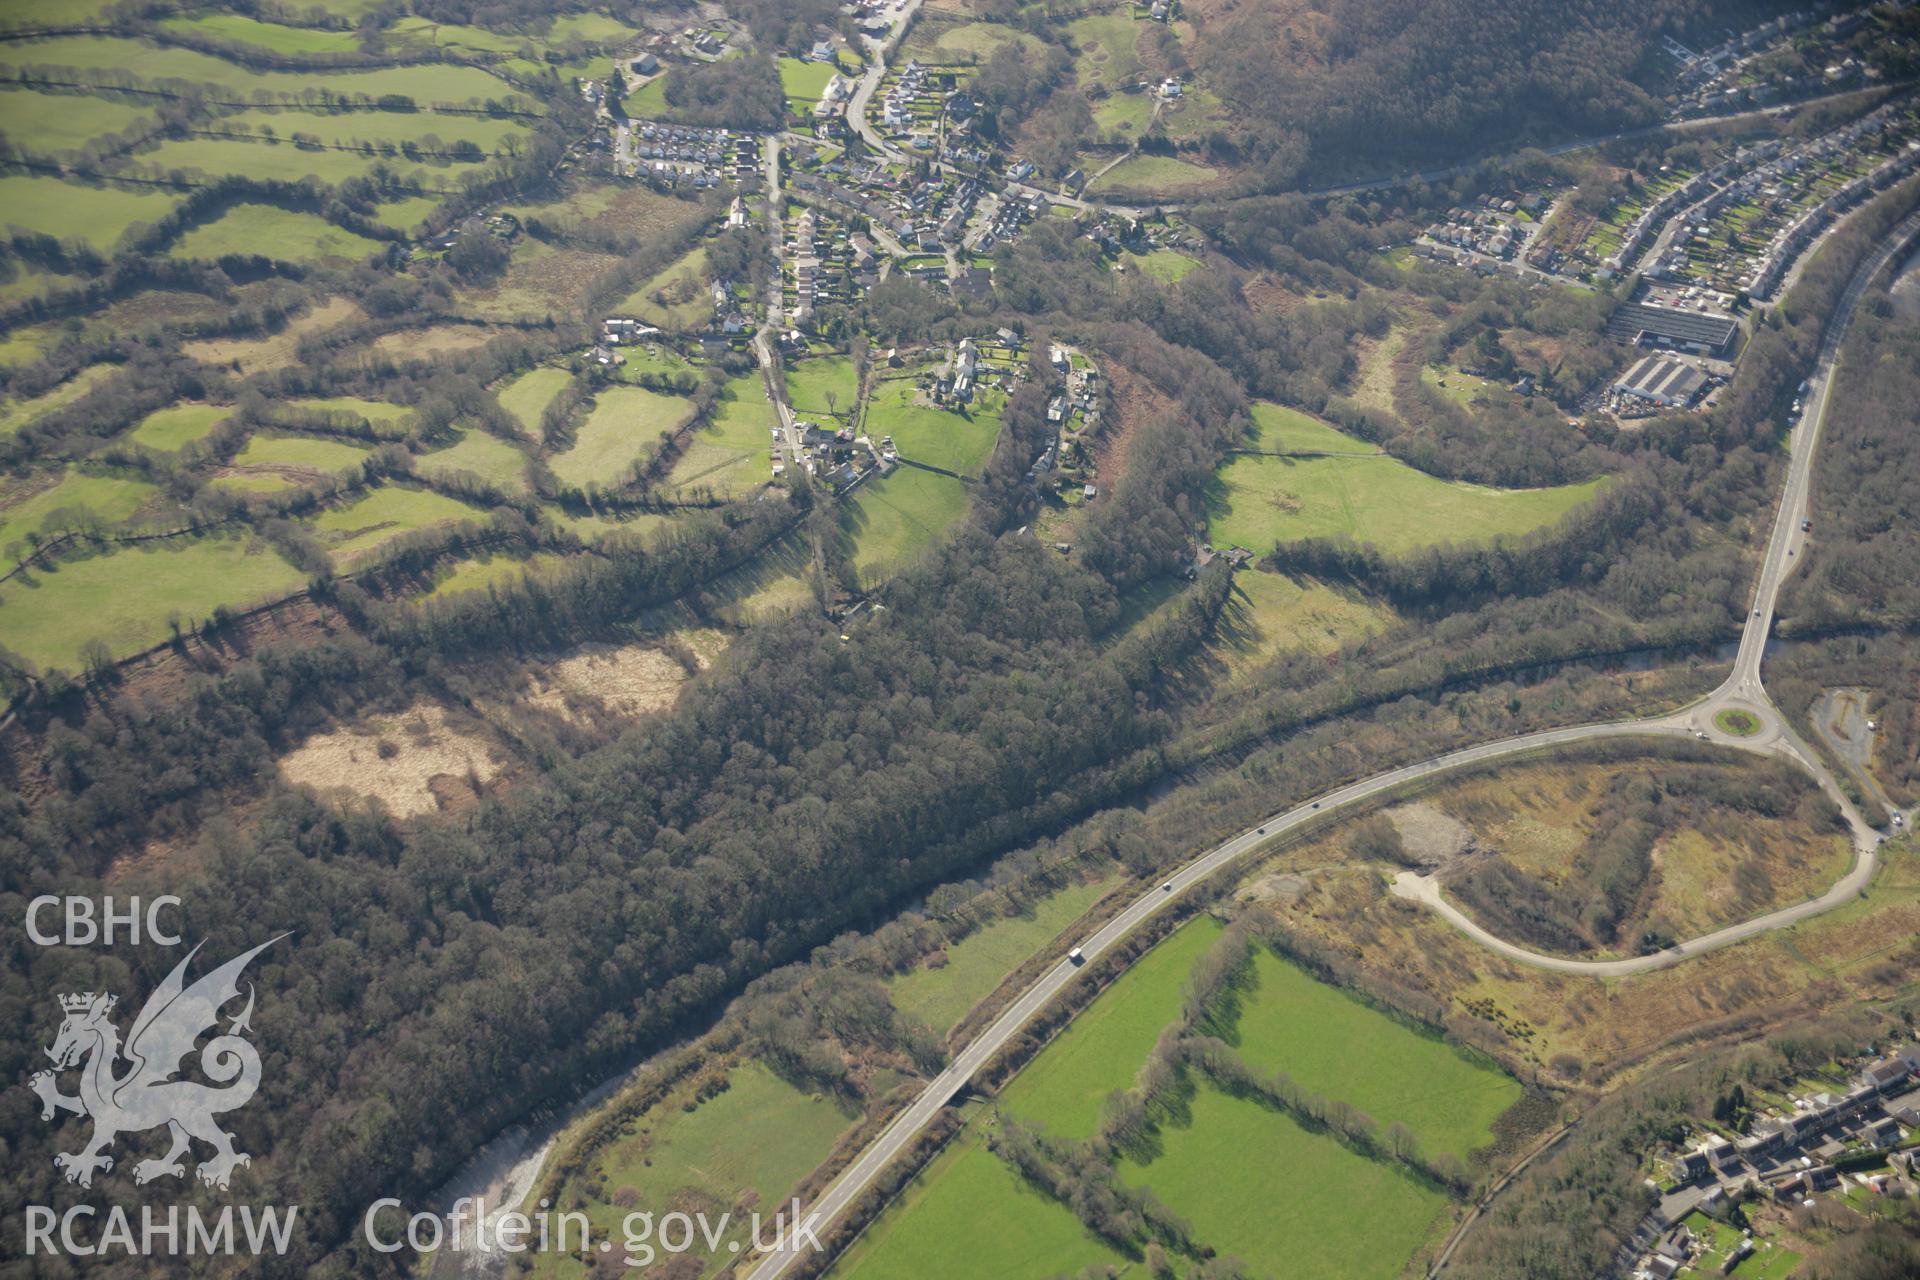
395,759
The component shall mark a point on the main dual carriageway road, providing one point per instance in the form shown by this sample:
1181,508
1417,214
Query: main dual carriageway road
1741,692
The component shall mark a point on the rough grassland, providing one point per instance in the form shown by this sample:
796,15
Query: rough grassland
51,122
124,598
171,429
99,215
1257,1186
677,298
354,532
1272,613
761,1136
110,499
477,453
1260,501
276,351
528,395
276,233
730,453
1336,1046
1100,1050
976,964
922,433
894,519
969,1195
624,426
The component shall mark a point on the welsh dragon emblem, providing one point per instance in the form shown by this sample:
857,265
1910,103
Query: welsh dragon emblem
145,1095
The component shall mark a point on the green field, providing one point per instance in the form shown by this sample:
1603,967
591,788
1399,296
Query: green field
1004,1226
171,429
353,533
730,453
804,82
388,419
253,483
477,453
894,518
52,122
925,434
591,528
431,84
1155,173
24,15
24,413
308,453
487,571
125,598
405,214
947,44
351,128
271,36
1128,114
624,426
1258,502
98,215
1339,1047
285,162
1288,1202
677,298
1107,45
528,395
1278,429
760,1136
976,964
110,499
1165,265
809,382
1103,1047
1741,724
273,232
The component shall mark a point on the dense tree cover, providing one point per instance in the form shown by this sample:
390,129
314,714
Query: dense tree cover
1366,82
939,733
791,25
737,93
1860,563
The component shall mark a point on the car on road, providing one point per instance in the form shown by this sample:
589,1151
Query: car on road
1167,887
1076,956
1806,526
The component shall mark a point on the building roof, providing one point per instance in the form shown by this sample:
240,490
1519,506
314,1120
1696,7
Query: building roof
1658,378
1705,328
